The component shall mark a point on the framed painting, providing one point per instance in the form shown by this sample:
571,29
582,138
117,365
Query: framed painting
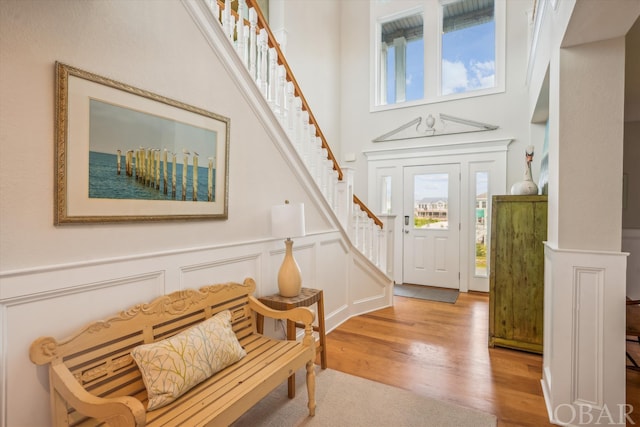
125,154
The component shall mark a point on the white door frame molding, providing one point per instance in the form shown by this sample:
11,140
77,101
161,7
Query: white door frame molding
390,162
432,255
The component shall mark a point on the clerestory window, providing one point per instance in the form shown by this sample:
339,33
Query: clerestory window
468,46
402,59
441,50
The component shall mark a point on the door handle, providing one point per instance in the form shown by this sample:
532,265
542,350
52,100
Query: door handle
406,231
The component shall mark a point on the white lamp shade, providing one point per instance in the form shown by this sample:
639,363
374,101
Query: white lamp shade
287,220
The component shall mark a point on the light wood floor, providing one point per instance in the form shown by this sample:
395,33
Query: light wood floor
440,350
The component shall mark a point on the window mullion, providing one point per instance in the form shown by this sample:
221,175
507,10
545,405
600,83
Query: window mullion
383,73
400,45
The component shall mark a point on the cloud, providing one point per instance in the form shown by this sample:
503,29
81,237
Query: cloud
454,77
457,78
484,74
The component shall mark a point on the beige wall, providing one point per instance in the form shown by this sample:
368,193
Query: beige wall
313,53
631,213
589,145
150,45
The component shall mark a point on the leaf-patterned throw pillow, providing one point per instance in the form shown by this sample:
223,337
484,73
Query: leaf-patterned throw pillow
173,366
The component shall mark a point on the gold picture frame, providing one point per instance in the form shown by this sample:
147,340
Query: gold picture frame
121,152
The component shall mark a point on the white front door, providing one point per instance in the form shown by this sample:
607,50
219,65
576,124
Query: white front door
431,225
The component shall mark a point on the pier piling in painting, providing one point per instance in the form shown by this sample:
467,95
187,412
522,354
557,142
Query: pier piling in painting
164,170
173,176
185,166
149,167
210,180
195,176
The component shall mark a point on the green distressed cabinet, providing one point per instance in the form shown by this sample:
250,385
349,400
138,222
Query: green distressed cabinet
516,278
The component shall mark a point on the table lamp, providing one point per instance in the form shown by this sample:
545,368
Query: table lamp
287,221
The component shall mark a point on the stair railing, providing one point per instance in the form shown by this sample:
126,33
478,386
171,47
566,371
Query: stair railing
260,52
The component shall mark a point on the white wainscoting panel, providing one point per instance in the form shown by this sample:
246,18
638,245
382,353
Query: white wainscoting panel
58,314
371,288
588,313
58,300
584,343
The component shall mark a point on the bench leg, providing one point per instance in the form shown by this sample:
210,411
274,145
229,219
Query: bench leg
311,387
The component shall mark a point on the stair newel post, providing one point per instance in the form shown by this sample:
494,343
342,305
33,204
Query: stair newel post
342,199
253,21
331,179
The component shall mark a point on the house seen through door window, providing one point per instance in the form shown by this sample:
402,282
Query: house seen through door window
481,222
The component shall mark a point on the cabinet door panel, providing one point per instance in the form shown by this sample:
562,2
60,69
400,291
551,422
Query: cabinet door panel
519,228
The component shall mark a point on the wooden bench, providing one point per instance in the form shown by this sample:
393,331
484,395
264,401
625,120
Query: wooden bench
94,379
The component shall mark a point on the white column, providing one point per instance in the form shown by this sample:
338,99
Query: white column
585,272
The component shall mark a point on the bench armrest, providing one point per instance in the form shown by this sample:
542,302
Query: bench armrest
116,411
302,315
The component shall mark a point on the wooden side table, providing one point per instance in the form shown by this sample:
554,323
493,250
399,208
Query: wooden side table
306,298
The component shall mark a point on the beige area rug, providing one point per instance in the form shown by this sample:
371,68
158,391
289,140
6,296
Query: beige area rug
348,401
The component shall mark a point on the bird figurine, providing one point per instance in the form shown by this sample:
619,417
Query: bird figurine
526,186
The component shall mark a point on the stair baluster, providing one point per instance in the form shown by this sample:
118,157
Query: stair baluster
260,53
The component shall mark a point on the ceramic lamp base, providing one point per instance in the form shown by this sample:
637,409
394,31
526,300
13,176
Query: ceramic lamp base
289,278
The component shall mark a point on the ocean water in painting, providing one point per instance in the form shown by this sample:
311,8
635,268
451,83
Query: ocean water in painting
105,183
